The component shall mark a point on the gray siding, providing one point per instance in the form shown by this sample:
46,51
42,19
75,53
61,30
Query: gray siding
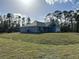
29,29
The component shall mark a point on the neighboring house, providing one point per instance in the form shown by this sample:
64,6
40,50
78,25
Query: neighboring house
40,27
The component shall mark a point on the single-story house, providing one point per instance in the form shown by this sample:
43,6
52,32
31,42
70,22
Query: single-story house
40,27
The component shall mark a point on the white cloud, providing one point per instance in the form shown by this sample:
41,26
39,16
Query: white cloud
65,1
51,2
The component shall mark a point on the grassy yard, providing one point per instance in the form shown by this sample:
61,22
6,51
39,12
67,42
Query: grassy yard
39,46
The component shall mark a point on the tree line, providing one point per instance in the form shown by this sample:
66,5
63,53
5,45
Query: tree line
8,25
68,20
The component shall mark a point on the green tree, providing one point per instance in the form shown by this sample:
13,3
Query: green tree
9,20
77,19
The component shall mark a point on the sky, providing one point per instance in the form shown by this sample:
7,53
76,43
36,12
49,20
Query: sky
36,9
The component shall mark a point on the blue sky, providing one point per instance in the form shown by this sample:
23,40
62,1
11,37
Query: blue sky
38,10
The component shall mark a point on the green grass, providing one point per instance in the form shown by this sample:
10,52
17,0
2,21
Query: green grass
47,38
39,46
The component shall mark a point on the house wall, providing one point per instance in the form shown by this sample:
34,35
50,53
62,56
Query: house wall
39,29
29,29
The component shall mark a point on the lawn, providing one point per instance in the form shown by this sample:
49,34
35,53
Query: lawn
39,46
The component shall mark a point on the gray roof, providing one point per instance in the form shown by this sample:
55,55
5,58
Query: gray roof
36,23
40,24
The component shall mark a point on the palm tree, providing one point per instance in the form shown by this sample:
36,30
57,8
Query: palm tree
17,27
58,15
66,14
23,21
9,17
49,17
19,17
1,24
28,20
71,19
77,19
65,24
1,20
